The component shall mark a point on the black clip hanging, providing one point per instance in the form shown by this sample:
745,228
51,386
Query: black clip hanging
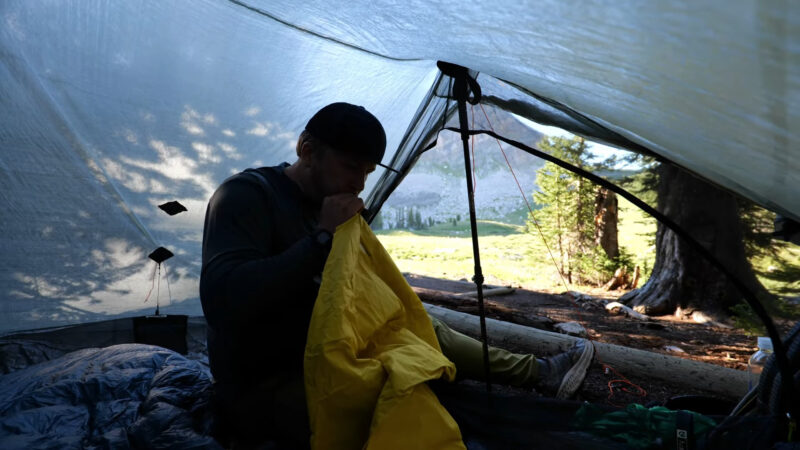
172,208
158,255
461,77
169,330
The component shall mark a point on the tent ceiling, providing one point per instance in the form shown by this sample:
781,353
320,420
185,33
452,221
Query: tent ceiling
712,87
109,108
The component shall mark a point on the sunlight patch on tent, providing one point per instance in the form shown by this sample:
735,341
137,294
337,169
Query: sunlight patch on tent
173,164
20,294
141,212
129,292
47,231
261,129
132,181
189,122
12,25
119,283
129,135
230,150
118,253
121,60
157,187
40,285
205,152
194,129
287,136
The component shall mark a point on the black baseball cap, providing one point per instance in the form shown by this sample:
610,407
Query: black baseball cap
351,129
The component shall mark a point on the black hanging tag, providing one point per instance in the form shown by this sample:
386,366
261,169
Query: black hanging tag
160,255
173,208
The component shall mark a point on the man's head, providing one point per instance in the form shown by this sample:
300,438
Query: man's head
349,129
341,145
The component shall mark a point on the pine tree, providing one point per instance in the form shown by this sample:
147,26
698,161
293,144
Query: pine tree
567,215
377,222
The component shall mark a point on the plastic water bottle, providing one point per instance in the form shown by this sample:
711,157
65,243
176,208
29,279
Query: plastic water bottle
756,363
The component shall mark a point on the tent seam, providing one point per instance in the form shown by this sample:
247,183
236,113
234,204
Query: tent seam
316,34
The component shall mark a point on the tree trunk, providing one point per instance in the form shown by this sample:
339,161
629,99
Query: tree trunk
637,272
605,220
682,278
619,280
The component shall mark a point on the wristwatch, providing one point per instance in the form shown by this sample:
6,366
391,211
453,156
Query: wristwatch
323,238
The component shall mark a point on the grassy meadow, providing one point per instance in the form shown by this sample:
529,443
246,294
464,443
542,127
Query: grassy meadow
511,256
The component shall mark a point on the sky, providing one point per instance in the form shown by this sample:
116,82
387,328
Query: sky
600,151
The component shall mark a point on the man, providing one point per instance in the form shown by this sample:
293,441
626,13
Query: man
267,235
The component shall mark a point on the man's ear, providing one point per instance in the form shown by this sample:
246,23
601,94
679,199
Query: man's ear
306,153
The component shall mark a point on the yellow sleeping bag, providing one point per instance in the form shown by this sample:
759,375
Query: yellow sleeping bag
370,349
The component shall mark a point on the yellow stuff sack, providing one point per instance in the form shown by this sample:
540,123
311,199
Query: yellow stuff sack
370,349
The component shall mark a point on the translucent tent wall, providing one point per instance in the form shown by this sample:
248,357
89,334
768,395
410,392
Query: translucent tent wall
711,86
108,109
112,108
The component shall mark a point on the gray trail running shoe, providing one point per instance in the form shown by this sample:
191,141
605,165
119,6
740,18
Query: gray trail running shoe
564,373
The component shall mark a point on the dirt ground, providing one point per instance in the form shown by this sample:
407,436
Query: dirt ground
727,347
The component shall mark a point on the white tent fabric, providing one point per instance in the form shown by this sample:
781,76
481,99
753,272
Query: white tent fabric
713,86
110,108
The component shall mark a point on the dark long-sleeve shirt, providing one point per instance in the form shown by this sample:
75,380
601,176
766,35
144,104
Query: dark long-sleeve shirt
257,285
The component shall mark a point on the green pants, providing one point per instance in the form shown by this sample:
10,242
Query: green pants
467,354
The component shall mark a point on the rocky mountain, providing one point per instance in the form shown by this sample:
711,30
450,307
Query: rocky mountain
437,189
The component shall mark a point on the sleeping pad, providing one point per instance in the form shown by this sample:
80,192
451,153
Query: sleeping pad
370,349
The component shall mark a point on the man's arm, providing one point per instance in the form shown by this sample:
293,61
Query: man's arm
240,273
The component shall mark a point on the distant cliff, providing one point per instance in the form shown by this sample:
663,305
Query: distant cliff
436,186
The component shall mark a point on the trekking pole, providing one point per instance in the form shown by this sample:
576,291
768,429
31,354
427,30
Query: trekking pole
461,87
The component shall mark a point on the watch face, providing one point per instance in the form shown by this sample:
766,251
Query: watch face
324,237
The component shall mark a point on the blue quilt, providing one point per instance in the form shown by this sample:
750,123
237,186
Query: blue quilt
123,396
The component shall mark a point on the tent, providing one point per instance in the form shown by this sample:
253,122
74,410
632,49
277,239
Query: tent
109,109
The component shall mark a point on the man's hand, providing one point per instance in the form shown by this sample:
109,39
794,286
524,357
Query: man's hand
337,209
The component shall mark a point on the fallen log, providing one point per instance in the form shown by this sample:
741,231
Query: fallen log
488,292
469,305
619,308
719,380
